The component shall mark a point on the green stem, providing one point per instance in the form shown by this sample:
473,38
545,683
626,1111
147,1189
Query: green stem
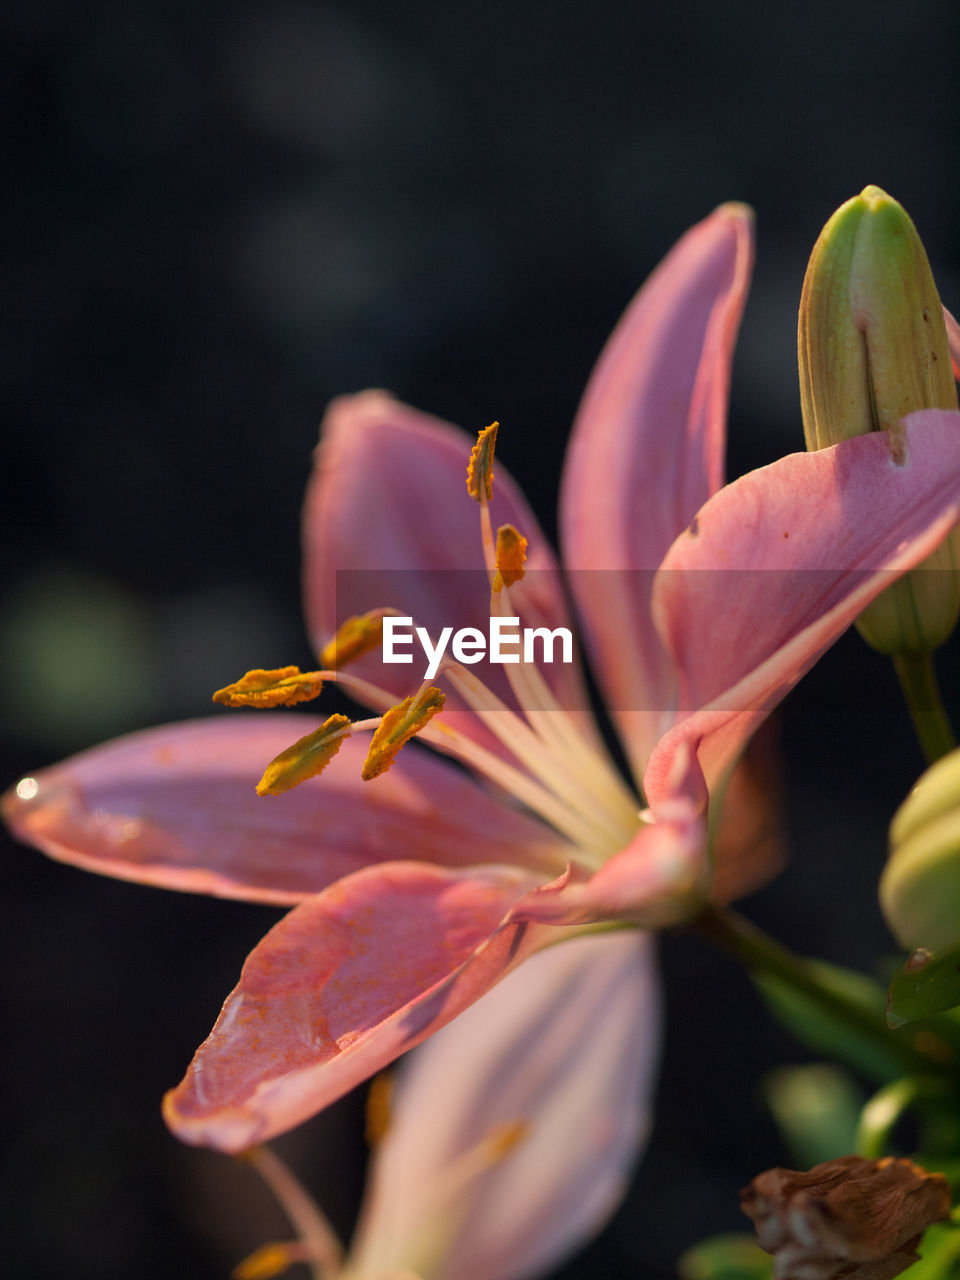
761,953
882,1113
918,680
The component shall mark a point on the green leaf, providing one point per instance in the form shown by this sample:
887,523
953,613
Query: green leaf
924,984
734,1256
939,1255
817,1109
859,1046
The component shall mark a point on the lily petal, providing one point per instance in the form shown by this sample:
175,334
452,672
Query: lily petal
388,523
646,453
567,1046
176,807
340,987
815,537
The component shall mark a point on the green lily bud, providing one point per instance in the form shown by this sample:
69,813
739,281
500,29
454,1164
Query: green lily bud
920,885
873,347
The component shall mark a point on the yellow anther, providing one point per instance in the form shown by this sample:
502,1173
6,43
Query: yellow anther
281,687
503,1138
511,557
305,759
480,467
397,726
379,1105
356,637
268,1261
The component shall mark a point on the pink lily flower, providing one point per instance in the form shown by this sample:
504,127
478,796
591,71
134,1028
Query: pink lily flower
418,892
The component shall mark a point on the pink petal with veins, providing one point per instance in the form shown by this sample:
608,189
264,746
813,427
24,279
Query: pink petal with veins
568,1046
176,807
646,453
814,538
340,987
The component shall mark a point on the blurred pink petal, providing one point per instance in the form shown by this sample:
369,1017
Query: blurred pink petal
778,564
176,807
567,1045
346,982
646,453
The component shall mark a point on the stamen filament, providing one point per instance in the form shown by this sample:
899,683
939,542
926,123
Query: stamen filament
488,539
568,821
555,770
557,729
324,1253
590,849
548,719
540,706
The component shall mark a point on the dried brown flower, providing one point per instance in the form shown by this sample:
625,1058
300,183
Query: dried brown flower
847,1219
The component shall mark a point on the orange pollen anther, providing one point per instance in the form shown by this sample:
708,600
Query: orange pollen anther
379,1107
271,1260
511,556
397,727
307,757
505,1137
280,687
480,467
354,638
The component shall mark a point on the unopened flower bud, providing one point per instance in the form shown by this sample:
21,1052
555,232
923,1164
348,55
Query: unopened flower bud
920,885
873,347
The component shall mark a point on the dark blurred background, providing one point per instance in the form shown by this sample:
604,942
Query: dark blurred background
219,216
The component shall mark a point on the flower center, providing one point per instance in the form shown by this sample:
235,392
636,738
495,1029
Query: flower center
550,764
